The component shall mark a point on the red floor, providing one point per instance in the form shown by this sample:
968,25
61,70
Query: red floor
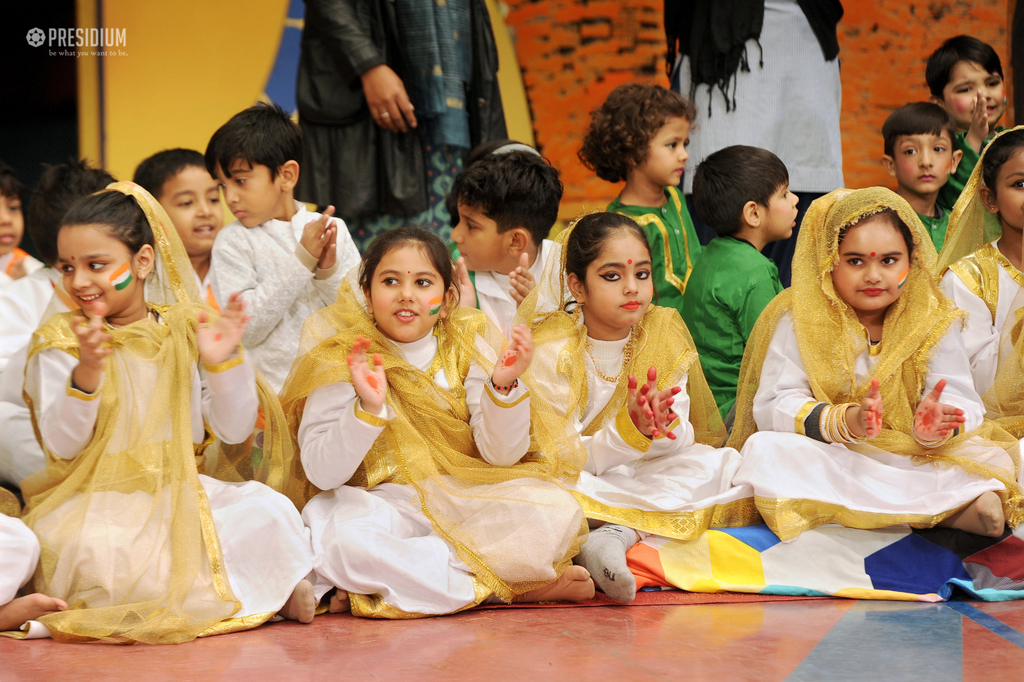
803,640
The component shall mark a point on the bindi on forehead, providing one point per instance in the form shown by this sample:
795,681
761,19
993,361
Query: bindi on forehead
630,261
872,254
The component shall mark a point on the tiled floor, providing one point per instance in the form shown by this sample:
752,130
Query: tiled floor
829,639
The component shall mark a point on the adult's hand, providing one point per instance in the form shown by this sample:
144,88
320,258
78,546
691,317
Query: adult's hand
387,99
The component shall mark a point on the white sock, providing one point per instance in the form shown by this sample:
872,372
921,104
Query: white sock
604,555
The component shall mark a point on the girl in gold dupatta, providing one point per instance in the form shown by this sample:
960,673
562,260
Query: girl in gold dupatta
140,544
983,256
442,475
856,404
654,461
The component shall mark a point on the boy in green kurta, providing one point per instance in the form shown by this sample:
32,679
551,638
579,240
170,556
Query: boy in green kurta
743,194
919,153
640,135
965,77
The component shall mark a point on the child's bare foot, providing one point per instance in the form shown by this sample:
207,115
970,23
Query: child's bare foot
984,516
16,613
573,585
339,602
301,606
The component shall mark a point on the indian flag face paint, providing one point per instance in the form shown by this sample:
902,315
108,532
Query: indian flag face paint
435,305
122,277
903,278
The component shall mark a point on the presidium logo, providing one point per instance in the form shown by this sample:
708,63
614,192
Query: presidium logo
102,38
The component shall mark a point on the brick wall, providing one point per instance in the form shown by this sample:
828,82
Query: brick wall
573,53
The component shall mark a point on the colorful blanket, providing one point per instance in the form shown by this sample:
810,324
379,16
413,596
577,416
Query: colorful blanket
893,563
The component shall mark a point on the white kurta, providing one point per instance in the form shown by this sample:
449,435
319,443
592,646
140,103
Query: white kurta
31,265
19,554
24,306
379,541
280,283
671,476
781,464
981,329
264,544
492,290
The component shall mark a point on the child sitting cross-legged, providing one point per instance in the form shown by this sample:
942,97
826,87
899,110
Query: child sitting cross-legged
442,476
743,194
856,403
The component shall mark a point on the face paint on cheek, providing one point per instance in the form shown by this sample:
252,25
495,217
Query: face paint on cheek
435,305
903,278
121,278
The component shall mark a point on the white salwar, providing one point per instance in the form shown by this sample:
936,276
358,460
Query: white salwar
379,541
781,464
19,554
264,545
492,290
982,329
671,476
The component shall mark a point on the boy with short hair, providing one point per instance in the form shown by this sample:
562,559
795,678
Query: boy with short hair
507,204
965,77
15,263
180,182
28,302
920,154
286,261
743,194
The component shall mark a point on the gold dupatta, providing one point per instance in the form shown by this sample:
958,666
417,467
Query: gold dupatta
125,527
558,373
497,518
831,338
969,252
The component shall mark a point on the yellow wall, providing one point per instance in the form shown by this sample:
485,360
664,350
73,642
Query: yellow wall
189,66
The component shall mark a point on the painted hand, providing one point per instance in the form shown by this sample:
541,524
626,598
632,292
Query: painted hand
516,358
934,420
370,384
217,342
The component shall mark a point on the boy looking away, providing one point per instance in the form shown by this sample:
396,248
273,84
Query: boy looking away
743,194
191,196
920,154
286,261
965,77
640,135
507,204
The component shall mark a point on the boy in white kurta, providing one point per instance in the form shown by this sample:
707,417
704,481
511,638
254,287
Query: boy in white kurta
286,261
858,405
507,204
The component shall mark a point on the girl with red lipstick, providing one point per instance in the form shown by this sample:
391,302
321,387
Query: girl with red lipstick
442,474
856,404
136,539
624,373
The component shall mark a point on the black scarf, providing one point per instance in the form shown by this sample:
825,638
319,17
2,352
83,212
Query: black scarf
714,33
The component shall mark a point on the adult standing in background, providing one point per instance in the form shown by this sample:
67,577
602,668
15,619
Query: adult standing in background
763,73
391,95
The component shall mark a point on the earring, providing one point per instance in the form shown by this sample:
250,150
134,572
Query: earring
576,313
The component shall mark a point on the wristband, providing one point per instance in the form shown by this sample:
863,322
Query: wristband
505,389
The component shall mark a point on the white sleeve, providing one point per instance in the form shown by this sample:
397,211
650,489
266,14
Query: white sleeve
336,433
270,283
501,423
230,401
980,336
22,306
784,388
620,442
327,282
949,361
65,415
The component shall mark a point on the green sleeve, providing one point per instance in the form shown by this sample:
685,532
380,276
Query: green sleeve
755,300
950,192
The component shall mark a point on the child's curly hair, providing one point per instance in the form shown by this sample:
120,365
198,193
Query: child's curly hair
621,129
